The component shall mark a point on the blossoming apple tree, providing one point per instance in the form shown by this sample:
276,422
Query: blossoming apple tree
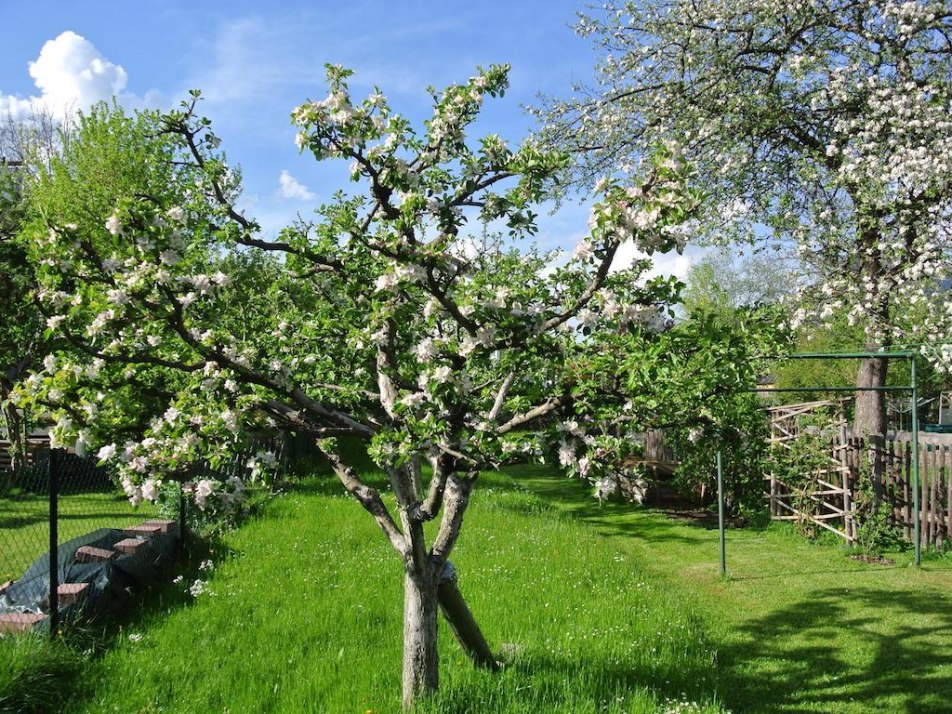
408,315
825,125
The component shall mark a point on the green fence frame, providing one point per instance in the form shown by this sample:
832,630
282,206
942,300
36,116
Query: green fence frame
912,388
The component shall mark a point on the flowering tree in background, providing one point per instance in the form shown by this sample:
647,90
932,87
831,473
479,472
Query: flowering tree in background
823,124
22,341
408,316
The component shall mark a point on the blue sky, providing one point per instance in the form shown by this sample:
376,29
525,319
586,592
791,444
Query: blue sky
256,62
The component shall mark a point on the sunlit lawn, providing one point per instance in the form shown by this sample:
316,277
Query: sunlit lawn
610,608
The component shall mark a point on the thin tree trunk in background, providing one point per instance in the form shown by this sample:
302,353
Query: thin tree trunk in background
14,432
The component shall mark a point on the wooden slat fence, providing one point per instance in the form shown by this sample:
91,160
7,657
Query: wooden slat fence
834,503
935,488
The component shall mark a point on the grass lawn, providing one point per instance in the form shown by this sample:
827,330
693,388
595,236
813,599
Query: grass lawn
24,523
598,609
799,626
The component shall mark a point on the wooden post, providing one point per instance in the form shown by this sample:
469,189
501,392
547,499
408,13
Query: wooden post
906,492
923,501
933,496
947,468
849,522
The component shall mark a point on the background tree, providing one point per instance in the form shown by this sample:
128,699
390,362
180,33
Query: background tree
22,341
384,319
825,124
723,282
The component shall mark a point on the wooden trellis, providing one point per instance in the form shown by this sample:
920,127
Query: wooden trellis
830,495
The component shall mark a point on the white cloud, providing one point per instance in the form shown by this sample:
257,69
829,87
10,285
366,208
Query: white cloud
70,74
662,263
291,188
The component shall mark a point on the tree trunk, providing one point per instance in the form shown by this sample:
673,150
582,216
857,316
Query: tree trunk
870,406
420,661
870,420
14,430
461,620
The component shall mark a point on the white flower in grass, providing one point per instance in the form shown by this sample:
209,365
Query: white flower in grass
199,587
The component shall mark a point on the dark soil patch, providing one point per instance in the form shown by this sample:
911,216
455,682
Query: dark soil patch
871,559
703,517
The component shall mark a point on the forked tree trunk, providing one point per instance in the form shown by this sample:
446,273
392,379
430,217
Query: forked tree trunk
870,420
420,661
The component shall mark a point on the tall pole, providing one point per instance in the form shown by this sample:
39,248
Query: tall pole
917,517
720,513
54,544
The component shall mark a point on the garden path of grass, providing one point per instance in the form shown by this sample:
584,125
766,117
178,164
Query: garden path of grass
799,627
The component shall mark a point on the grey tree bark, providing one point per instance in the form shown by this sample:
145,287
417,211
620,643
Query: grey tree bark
420,611
869,421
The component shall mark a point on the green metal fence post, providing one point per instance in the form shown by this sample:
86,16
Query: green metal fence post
720,513
54,468
181,496
917,517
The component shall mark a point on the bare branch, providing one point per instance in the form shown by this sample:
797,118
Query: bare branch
526,417
501,397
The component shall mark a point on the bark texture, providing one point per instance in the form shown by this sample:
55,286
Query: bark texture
870,420
871,406
420,661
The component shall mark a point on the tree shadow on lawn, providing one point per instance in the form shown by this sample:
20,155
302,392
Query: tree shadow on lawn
829,652
574,499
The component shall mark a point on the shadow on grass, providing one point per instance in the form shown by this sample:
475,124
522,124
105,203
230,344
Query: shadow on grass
574,499
827,652
56,677
543,682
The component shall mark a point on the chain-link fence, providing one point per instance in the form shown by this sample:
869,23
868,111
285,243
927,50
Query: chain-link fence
70,541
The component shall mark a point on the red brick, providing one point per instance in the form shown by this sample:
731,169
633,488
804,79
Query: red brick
143,530
71,592
88,554
19,621
166,526
129,546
